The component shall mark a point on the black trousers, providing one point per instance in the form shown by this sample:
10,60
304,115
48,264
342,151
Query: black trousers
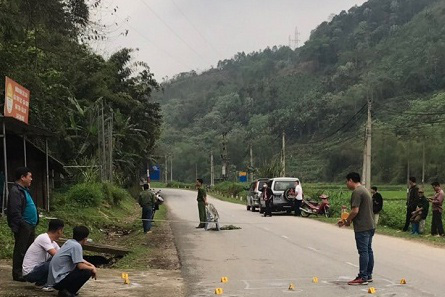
23,239
268,208
409,210
74,281
297,206
436,224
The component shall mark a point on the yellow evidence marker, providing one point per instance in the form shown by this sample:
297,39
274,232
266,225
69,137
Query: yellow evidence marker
371,290
291,287
125,278
224,279
315,280
218,291
403,281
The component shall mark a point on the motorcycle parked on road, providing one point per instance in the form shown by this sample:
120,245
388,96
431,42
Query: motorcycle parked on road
316,208
159,201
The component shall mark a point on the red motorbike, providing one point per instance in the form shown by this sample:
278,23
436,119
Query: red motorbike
316,208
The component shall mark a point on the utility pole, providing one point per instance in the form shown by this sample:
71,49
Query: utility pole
366,178
283,155
364,160
423,162
251,163
171,168
104,153
196,171
166,169
212,171
110,147
368,146
148,171
407,180
224,158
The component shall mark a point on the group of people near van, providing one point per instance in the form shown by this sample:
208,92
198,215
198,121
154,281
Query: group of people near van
417,207
40,260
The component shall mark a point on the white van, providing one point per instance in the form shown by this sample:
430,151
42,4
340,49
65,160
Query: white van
279,185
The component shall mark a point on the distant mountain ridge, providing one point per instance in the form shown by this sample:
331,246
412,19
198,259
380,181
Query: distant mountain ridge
391,50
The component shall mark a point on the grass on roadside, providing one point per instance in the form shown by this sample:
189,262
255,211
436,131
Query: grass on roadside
226,198
137,242
385,230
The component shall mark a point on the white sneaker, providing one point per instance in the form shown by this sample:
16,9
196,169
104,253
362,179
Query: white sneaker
47,289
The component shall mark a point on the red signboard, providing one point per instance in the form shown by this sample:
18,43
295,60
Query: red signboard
16,101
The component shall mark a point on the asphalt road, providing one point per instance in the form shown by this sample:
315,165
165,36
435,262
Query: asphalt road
268,254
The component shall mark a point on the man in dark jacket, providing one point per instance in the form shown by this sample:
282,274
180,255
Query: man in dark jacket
22,219
268,198
147,201
377,204
412,201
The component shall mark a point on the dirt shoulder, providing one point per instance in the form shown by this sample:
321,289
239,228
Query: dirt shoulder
153,268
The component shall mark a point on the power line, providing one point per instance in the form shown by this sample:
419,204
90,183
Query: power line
389,111
194,27
159,48
354,119
174,32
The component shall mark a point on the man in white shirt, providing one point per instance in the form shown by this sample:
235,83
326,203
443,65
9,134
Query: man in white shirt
37,258
299,198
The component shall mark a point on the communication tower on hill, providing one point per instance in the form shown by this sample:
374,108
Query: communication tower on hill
295,41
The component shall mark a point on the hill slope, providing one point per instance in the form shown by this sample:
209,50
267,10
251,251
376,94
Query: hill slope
390,50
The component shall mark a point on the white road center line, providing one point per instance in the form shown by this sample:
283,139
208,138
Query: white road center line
349,263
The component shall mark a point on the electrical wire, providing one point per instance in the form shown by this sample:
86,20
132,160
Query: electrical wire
354,119
174,32
196,29
159,48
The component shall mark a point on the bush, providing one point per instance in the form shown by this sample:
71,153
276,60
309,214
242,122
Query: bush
114,194
231,188
180,185
393,214
86,194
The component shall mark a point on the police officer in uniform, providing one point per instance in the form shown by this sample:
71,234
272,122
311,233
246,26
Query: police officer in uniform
202,202
147,201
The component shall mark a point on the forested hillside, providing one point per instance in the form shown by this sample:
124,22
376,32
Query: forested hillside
44,47
392,51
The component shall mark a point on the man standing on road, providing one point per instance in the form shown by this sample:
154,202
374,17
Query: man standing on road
412,201
377,204
268,199
425,206
202,202
22,219
419,215
364,227
437,201
298,198
147,201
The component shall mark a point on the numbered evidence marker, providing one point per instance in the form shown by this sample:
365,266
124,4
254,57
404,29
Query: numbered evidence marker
125,278
371,290
218,291
291,287
403,281
315,280
224,279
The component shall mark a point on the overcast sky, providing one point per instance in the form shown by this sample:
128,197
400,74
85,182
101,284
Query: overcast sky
174,36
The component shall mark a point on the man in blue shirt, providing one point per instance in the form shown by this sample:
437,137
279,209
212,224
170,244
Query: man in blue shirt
22,218
68,271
